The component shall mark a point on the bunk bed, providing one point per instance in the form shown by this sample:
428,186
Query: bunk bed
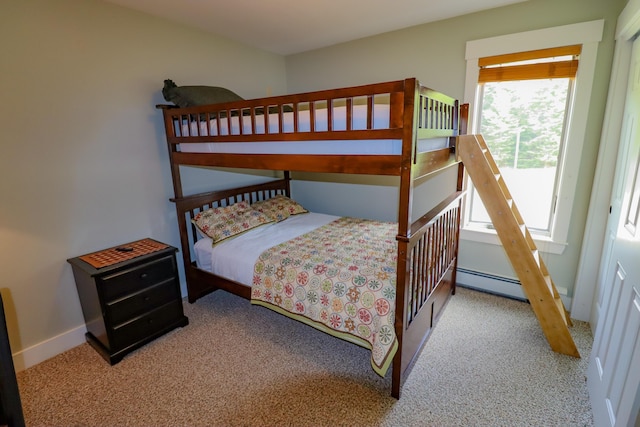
397,128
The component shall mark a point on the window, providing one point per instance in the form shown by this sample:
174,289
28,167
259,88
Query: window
516,74
523,102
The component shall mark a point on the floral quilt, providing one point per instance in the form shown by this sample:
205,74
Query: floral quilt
339,278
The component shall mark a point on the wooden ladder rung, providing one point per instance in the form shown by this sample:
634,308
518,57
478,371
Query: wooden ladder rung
551,287
536,256
563,313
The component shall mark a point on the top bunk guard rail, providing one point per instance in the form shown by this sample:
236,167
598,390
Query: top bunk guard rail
400,110
201,124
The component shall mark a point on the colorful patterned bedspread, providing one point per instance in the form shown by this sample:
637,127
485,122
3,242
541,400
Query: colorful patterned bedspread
339,278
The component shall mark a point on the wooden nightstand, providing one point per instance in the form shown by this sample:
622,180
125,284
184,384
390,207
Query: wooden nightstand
130,295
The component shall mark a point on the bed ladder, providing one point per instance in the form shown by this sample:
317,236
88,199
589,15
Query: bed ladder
518,243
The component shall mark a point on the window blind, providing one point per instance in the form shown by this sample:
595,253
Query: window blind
560,62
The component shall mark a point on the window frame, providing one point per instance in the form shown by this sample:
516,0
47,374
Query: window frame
587,34
535,232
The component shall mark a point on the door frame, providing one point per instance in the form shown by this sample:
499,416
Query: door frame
586,301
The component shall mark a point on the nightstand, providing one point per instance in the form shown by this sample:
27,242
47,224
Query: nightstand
130,295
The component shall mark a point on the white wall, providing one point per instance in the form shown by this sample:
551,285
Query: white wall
435,54
84,164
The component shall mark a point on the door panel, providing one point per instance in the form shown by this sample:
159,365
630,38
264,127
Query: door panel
614,366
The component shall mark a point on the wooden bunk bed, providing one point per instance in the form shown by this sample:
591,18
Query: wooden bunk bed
427,245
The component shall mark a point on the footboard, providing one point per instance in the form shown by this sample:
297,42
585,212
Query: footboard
200,282
424,287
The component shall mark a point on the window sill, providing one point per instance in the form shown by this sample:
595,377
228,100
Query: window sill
488,236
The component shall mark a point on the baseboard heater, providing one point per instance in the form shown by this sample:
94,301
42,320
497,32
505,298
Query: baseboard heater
498,285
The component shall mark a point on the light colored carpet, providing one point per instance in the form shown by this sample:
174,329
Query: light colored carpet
486,364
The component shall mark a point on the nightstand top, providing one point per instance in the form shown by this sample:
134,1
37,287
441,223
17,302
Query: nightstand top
117,255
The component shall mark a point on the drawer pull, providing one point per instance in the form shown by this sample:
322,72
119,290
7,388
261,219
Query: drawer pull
144,275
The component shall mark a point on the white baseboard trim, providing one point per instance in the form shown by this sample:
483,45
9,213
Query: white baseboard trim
499,285
47,349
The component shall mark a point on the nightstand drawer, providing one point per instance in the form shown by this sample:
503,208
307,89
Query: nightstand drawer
147,325
138,278
132,305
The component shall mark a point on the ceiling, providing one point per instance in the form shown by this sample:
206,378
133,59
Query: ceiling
286,27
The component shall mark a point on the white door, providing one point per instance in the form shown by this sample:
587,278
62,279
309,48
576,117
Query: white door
614,366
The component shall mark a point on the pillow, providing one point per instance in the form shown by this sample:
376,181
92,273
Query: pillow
225,222
191,96
278,208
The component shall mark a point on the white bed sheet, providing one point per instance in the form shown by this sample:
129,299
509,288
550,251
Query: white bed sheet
223,260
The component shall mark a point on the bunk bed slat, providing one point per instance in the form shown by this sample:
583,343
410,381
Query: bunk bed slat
349,120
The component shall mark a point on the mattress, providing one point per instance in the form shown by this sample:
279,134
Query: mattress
222,259
338,120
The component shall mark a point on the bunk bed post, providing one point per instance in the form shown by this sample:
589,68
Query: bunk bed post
461,185
175,166
287,185
177,192
186,251
463,121
409,135
177,182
